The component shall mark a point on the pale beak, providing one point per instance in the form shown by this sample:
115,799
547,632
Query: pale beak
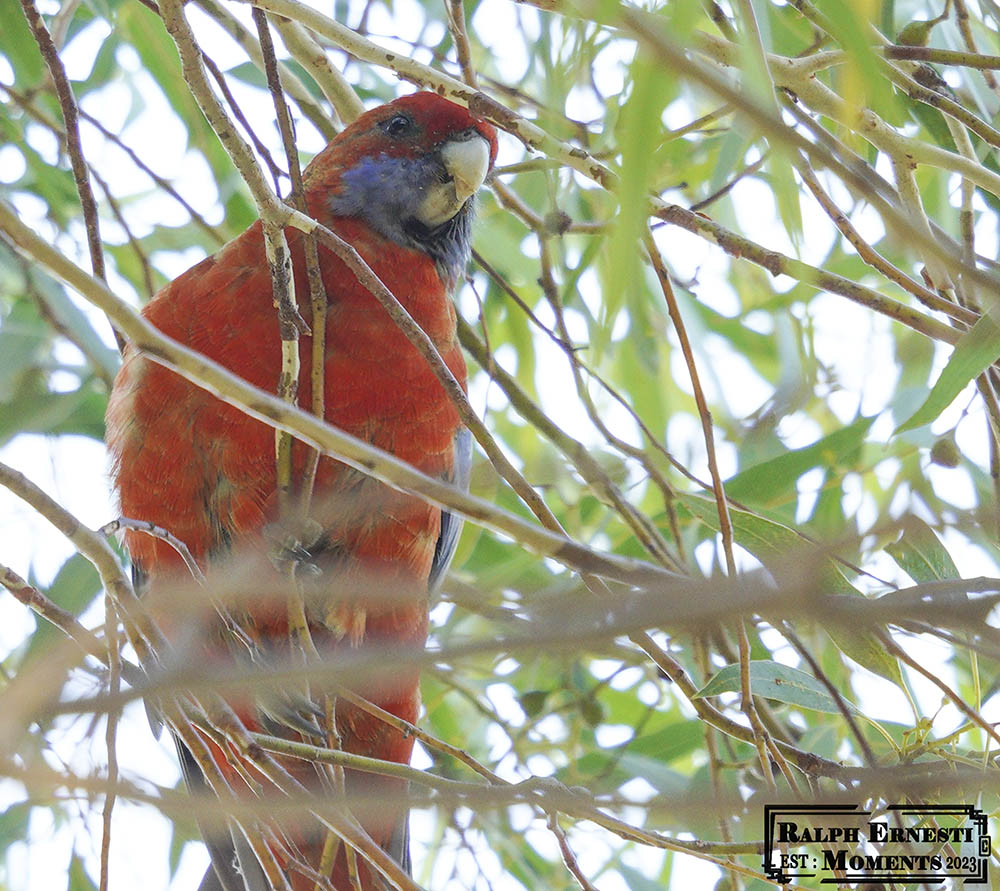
466,161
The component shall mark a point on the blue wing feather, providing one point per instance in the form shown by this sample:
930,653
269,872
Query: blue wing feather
451,525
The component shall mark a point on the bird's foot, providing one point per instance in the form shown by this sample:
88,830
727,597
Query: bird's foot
292,547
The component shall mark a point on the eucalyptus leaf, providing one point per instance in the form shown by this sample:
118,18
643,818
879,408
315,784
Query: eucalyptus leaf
975,352
920,553
773,680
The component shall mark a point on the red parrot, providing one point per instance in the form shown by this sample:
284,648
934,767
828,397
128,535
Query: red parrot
398,184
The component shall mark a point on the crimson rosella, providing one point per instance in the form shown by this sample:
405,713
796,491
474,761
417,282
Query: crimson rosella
398,184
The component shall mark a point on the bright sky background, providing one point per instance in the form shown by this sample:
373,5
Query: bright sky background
74,469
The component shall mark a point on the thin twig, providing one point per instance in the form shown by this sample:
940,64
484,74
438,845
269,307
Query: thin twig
110,736
71,118
157,532
872,257
290,323
733,181
455,10
958,701
220,79
642,527
777,263
680,330
942,56
317,290
65,621
871,760
569,858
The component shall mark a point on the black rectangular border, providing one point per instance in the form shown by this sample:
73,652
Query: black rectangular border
971,813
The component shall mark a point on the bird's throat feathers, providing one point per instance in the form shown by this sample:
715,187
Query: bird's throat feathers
386,193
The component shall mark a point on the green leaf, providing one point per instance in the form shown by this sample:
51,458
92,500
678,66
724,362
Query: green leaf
18,44
533,702
732,149
249,74
847,22
771,482
104,64
147,34
23,335
671,742
71,318
184,829
74,588
14,824
627,766
774,681
787,196
640,134
637,881
920,554
78,878
975,352
769,541
54,184
37,410
887,16
867,650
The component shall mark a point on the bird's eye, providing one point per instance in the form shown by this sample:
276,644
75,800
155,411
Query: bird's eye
398,125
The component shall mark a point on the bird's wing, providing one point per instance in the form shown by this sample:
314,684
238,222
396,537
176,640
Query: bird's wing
234,866
451,525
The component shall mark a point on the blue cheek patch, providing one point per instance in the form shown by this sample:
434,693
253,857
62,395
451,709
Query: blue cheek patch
384,191
387,193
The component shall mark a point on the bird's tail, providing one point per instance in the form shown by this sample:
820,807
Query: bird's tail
234,867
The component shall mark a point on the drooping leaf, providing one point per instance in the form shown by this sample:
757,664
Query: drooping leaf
74,588
774,681
78,878
71,318
18,44
920,553
976,351
769,482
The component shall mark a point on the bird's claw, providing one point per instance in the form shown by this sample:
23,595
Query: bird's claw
297,711
294,548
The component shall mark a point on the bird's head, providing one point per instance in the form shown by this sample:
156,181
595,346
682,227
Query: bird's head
410,170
